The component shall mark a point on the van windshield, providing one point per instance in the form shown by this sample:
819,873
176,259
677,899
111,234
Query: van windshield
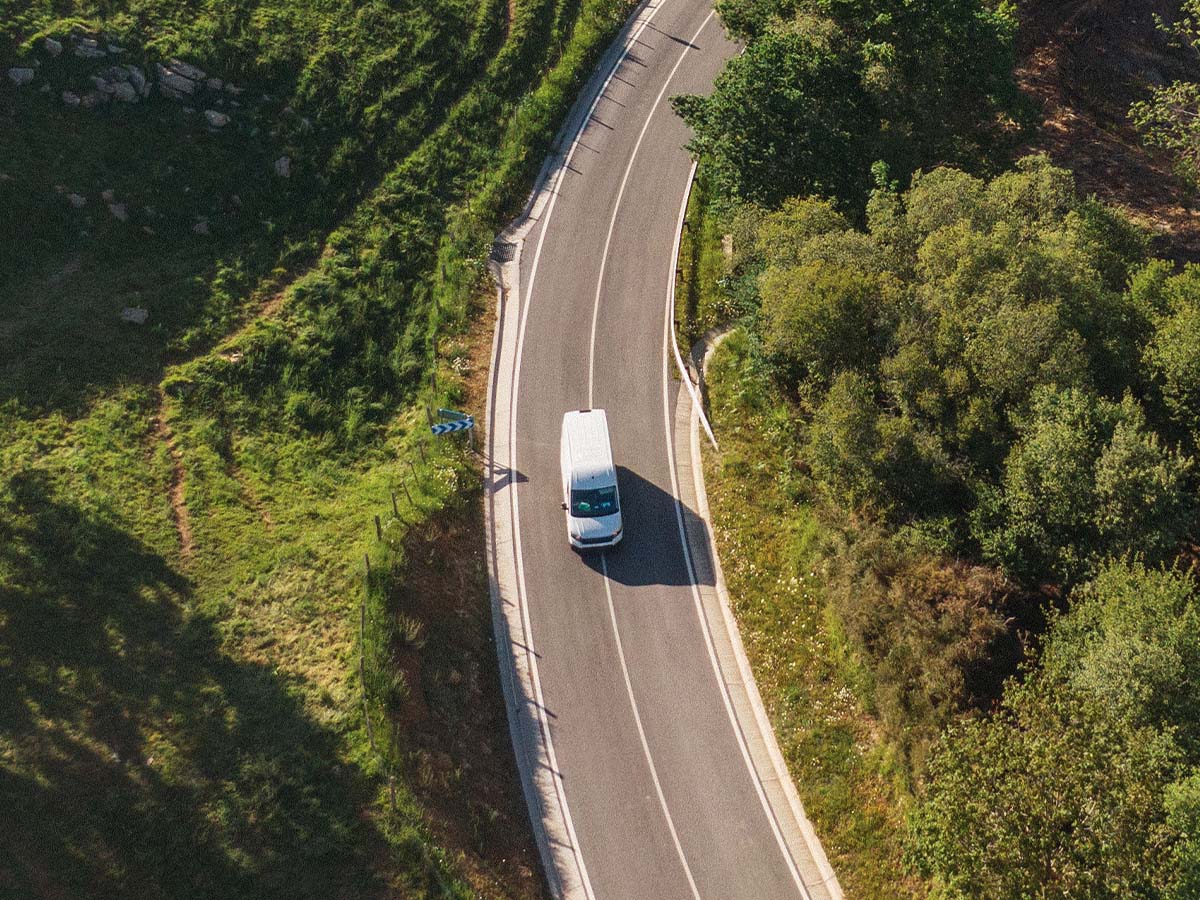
591,504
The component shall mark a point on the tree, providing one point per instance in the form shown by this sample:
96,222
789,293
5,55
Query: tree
1045,505
1170,118
1054,797
827,87
1173,353
1132,641
1142,501
819,320
1084,784
1086,480
844,443
786,118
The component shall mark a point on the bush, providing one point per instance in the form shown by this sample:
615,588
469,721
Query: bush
1084,784
929,629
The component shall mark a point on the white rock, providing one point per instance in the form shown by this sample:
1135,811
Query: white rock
215,84
176,82
125,92
70,99
77,200
115,48
93,98
134,315
118,211
102,85
200,227
44,89
138,79
88,48
233,89
51,46
19,75
108,195
170,92
283,167
216,119
187,70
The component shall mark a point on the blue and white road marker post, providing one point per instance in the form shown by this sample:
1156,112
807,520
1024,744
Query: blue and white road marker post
458,421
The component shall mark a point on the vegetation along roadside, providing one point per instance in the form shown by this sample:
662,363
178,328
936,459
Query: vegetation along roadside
231,289
955,495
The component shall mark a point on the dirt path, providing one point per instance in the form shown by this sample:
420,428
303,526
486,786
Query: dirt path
176,493
1082,63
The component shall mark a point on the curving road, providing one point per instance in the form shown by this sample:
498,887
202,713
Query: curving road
648,767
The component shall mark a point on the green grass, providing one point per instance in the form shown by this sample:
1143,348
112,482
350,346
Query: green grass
769,540
699,301
190,724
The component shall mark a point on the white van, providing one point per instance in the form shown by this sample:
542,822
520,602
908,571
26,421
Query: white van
589,481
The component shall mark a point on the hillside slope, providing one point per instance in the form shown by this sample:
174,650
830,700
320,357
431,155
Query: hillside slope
223,296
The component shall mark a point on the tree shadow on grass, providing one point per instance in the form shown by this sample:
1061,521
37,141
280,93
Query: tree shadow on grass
138,760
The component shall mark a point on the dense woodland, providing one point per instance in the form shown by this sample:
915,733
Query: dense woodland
995,395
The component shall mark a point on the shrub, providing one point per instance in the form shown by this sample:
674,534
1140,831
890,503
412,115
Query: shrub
928,629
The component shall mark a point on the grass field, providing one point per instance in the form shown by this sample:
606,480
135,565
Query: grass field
185,506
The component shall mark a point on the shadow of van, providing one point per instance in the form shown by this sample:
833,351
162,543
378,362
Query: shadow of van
651,551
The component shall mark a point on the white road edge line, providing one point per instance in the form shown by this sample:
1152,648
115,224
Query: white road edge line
514,504
668,323
617,207
637,718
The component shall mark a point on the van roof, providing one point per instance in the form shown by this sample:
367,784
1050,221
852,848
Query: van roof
586,434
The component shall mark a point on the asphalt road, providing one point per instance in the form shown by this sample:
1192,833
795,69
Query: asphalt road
655,794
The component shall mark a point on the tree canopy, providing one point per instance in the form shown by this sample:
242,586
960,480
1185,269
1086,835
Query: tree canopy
1085,783
828,87
999,352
